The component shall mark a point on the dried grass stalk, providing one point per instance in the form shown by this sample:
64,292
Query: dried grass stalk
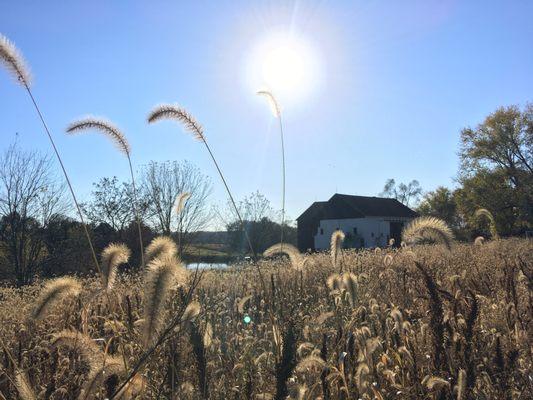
88,349
161,246
103,126
163,274
181,200
23,386
15,64
113,255
97,376
52,293
297,260
483,212
177,113
336,244
428,229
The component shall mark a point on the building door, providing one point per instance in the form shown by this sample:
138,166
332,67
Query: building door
396,232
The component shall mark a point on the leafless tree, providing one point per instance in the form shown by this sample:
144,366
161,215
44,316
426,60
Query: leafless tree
30,196
111,204
253,208
403,193
161,184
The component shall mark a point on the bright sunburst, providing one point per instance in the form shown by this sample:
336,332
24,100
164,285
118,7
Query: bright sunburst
284,64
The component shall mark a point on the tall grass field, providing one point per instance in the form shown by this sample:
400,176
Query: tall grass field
419,322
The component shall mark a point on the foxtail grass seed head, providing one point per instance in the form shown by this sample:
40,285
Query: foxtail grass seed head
387,260
180,202
103,126
436,383
113,255
161,246
191,311
484,213
162,275
99,374
274,105
54,291
87,347
13,61
427,229
23,386
179,114
297,260
337,238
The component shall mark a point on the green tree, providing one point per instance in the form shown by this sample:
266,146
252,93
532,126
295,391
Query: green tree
497,168
440,203
491,190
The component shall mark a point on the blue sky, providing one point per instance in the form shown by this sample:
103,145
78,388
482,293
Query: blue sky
396,83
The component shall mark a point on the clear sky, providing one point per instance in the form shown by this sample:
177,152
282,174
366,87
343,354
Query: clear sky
388,86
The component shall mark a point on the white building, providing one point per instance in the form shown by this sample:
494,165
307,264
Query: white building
366,222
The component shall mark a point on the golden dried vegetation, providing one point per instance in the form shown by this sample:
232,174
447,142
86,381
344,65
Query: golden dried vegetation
422,322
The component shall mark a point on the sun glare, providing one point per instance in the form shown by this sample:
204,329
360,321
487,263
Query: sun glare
285,65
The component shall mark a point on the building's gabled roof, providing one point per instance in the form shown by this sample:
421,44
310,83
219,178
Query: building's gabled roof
375,206
315,208
341,206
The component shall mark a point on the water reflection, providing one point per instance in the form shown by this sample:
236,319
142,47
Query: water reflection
206,265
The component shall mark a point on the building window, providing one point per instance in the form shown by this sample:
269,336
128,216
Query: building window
355,231
321,231
372,234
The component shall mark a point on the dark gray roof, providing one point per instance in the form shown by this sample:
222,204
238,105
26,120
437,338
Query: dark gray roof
341,206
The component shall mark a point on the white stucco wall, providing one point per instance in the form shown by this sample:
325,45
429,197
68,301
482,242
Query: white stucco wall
374,230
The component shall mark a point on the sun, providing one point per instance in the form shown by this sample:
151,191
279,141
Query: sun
284,64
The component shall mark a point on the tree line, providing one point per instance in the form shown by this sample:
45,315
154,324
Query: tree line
496,173
39,237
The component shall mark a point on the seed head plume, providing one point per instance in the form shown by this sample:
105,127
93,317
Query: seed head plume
177,113
271,101
54,291
336,243
349,281
436,383
191,311
181,200
461,384
483,212
428,229
88,349
159,247
296,258
98,375
277,113
14,62
133,389
23,386
102,126
311,362
113,255
163,273
111,131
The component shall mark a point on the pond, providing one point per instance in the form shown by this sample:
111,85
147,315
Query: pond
206,265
